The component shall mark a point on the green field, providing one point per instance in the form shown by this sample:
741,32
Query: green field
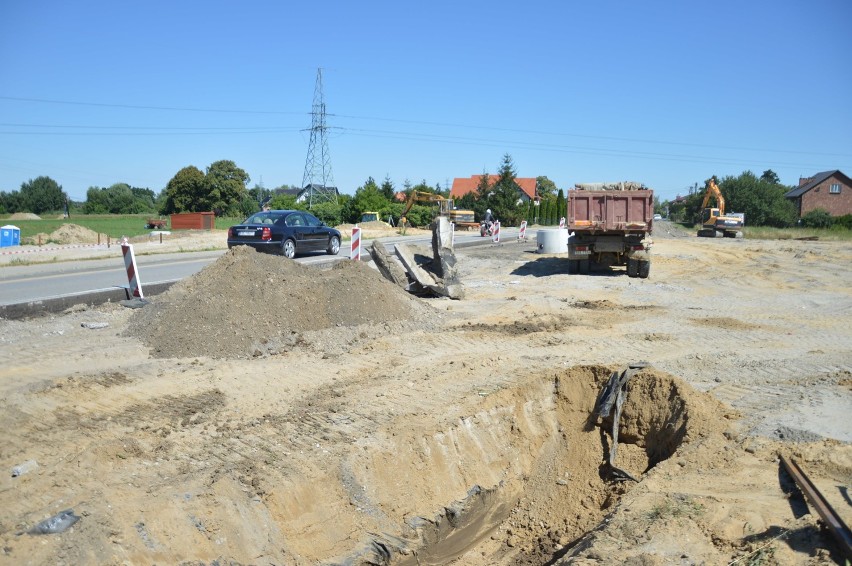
113,225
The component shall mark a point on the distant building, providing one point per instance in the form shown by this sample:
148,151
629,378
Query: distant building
829,190
465,185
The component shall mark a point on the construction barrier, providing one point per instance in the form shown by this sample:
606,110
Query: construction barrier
355,253
562,222
132,272
522,232
496,237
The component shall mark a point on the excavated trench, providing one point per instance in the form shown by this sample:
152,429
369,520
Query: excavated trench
531,465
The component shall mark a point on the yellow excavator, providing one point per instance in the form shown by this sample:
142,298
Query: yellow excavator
714,222
461,218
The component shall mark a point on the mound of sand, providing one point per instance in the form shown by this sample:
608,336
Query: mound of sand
67,234
249,303
24,216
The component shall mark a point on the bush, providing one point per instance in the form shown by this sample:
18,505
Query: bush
817,218
844,221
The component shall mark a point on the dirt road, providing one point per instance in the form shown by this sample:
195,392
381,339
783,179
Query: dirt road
244,417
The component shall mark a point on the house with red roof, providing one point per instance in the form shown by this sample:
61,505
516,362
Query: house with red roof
465,185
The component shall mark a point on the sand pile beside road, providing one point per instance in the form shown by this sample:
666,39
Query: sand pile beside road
67,234
249,304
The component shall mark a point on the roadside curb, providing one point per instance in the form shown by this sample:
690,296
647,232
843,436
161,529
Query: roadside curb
52,305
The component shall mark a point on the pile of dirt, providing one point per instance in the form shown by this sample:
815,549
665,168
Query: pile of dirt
251,304
67,234
24,216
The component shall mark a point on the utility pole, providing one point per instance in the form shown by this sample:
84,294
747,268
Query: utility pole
317,178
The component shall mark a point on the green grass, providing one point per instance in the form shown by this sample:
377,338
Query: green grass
770,233
114,225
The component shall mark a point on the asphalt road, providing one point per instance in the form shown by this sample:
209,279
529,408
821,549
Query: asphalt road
40,282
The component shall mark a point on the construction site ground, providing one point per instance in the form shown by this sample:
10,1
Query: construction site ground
265,412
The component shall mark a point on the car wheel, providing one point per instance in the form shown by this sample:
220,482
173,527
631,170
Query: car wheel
288,249
333,245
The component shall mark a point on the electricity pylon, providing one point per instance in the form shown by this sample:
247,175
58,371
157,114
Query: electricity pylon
317,179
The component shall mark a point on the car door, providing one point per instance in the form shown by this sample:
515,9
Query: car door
318,236
297,229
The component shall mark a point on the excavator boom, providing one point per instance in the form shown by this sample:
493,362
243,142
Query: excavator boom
714,223
713,191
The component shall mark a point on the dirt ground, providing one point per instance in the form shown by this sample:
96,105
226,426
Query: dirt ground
272,413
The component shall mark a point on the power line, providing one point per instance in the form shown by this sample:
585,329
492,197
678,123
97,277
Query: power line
142,107
428,123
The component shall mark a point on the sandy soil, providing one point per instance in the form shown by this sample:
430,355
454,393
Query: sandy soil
246,417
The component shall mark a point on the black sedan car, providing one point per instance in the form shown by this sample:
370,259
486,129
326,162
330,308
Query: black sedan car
287,232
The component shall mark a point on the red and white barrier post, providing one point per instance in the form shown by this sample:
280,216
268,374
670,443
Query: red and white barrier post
522,232
562,222
132,272
496,237
355,253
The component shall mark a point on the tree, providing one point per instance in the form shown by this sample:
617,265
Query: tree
226,186
769,176
222,190
184,190
119,198
761,200
11,202
504,197
388,189
545,188
368,197
42,194
329,212
561,206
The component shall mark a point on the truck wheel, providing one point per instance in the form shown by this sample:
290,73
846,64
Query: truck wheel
573,266
584,266
632,267
644,269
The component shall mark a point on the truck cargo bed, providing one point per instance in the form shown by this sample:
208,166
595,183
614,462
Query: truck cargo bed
610,211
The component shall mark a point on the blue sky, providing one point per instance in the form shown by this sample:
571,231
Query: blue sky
666,93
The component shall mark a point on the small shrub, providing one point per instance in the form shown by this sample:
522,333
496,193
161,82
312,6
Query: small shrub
817,218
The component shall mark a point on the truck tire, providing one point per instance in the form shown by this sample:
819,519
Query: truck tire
644,269
573,266
584,266
632,267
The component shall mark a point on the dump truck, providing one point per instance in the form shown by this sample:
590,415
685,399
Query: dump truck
610,224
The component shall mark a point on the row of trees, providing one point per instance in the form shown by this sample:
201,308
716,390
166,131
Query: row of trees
38,196
223,188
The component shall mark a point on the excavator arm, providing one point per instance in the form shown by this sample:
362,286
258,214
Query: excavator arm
420,196
713,191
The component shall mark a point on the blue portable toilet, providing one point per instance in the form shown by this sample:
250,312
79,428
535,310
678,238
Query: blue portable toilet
10,236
